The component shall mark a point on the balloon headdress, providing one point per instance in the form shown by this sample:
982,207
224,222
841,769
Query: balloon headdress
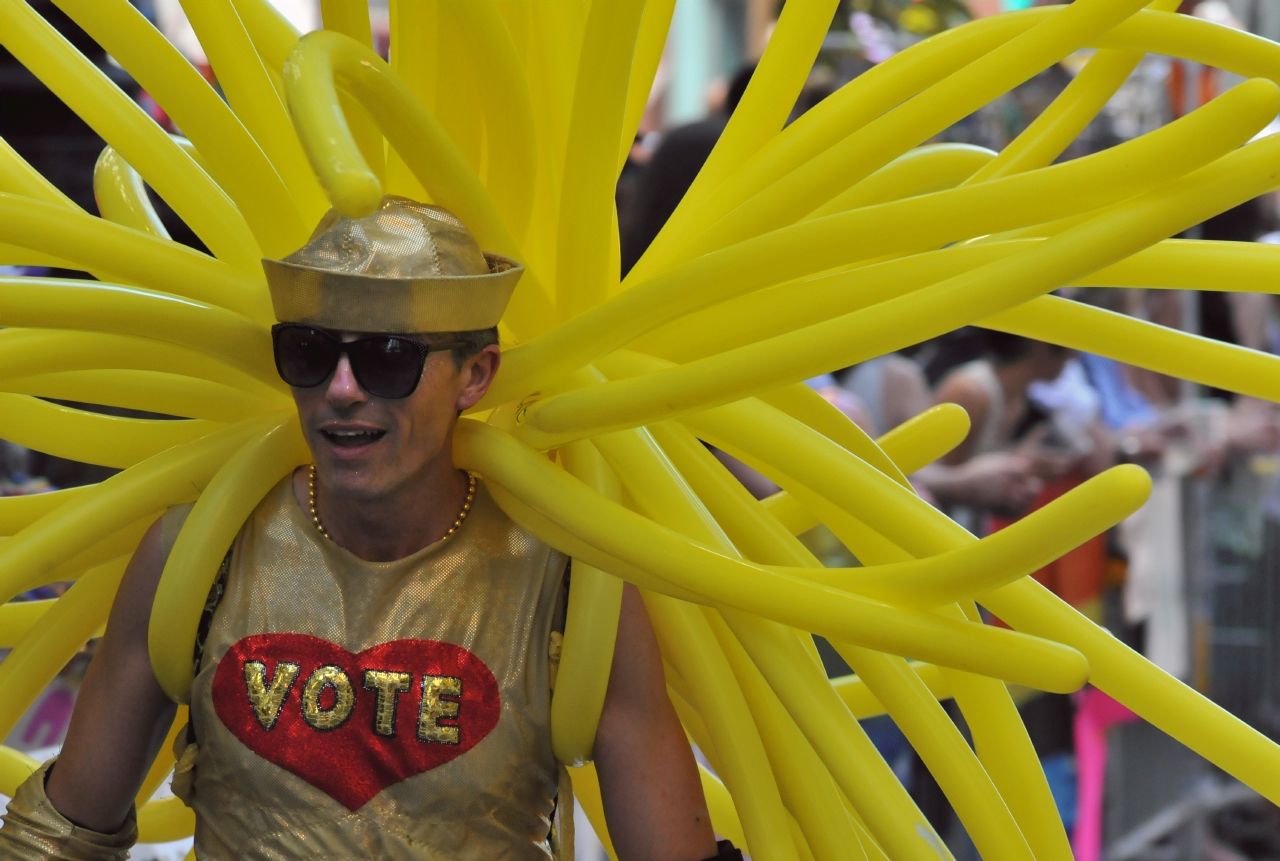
801,248
405,268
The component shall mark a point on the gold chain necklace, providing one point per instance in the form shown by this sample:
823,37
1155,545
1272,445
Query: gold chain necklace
315,515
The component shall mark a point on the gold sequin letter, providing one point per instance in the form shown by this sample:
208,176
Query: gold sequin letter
344,700
267,701
389,685
435,708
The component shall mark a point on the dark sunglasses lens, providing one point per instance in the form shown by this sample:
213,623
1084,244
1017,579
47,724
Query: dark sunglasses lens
304,357
386,367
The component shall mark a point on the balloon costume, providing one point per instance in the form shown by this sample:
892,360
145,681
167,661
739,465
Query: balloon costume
797,251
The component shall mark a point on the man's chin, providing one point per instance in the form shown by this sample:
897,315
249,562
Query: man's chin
352,469
353,481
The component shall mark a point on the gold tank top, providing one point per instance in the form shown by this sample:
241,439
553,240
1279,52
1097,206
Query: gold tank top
351,709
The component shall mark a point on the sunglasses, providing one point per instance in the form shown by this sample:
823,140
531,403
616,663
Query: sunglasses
385,366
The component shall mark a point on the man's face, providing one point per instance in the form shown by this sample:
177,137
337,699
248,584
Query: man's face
1048,361
367,447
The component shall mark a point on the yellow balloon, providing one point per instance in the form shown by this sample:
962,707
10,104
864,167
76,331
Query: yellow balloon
742,762
821,179
583,271
229,497
229,154
248,89
121,195
586,790
19,617
1203,726
925,438
15,767
1006,752
810,794
913,225
19,512
863,703
790,600
504,97
1059,124
724,816
591,625
1169,264
764,109
121,122
925,169
108,308
1113,233
169,478
71,565
18,177
27,353
47,647
152,391
1168,351
1012,553
650,44
272,34
165,820
935,738
91,437
127,255
866,97
1196,39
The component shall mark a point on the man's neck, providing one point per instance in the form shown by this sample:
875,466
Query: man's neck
394,526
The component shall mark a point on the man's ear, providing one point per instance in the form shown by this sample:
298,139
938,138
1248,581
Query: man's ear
477,375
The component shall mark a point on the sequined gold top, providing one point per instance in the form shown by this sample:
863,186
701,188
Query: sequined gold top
351,709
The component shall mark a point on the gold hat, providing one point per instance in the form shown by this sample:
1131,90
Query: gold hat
408,267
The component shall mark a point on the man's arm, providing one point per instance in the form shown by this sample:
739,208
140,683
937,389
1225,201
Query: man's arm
648,778
121,715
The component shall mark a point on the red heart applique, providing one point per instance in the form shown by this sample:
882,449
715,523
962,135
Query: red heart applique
353,724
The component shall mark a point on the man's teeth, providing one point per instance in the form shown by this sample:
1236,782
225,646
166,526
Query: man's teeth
354,437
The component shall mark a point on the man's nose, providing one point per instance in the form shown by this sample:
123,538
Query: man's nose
343,389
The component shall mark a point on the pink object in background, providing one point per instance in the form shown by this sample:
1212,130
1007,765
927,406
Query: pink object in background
44,725
49,723
876,38
983,8
1096,713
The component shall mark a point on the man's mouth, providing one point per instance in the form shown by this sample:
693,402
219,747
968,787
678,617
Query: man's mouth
352,438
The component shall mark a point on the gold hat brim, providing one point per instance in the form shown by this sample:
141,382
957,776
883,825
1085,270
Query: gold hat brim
365,303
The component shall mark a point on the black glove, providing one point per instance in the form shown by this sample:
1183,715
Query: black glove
725,851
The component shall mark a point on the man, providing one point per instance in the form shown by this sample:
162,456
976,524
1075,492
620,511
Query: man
989,469
373,675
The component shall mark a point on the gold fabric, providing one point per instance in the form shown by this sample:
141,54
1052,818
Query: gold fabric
387,684
34,831
269,700
344,697
185,753
407,268
491,588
